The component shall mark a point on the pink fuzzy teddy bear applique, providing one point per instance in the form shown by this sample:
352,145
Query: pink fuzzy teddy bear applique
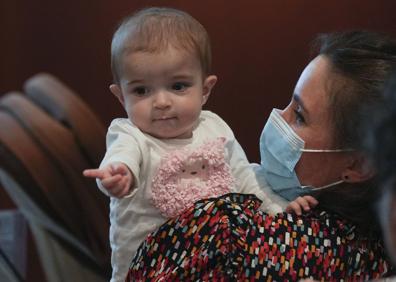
190,174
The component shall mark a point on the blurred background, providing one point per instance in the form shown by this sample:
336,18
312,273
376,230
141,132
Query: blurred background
259,49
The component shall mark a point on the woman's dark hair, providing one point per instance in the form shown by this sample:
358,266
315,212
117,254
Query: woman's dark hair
361,62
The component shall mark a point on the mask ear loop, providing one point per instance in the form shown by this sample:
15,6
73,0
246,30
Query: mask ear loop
326,151
312,188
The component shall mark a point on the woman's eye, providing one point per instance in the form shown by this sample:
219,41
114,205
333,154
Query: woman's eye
299,117
140,91
179,86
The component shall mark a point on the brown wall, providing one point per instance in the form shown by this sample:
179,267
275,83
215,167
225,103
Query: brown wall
259,48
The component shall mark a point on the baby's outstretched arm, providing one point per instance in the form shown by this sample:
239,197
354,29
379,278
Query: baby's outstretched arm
116,178
300,204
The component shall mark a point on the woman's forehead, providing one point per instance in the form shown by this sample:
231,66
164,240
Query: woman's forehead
312,91
315,75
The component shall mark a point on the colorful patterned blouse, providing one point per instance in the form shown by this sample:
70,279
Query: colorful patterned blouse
229,239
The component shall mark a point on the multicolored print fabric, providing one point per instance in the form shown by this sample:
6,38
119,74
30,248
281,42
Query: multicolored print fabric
229,239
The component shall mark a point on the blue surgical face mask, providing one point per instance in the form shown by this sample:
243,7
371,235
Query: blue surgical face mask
281,149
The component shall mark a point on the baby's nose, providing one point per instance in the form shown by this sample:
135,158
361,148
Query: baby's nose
193,172
162,100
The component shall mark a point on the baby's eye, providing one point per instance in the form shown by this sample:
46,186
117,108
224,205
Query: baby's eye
179,86
203,166
140,91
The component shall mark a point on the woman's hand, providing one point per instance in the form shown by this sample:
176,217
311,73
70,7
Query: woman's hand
116,178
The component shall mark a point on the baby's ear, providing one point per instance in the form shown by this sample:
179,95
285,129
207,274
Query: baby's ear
208,85
116,90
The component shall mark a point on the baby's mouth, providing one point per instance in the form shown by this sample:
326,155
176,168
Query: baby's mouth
163,118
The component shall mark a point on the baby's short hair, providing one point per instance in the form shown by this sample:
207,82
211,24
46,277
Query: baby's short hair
153,30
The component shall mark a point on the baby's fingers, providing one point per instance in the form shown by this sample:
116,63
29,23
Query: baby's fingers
117,186
120,192
111,182
119,168
122,189
312,202
94,173
294,207
302,203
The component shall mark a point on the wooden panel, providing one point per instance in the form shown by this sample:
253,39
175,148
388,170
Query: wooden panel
259,48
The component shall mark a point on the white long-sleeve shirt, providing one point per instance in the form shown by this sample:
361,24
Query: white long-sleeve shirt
132,218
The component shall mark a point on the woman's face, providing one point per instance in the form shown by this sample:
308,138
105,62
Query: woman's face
310,117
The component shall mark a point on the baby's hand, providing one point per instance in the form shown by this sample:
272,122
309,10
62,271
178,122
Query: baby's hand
302,203
116,178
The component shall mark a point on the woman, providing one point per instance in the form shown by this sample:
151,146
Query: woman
313,147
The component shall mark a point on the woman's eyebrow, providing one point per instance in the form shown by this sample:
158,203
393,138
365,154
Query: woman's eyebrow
298,100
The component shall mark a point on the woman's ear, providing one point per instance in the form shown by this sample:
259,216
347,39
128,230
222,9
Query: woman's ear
116,90
208,84
359,169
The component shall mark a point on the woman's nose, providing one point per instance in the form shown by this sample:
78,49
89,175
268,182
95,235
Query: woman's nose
285,114
162,100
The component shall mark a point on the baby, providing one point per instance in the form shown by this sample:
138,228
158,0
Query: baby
168,153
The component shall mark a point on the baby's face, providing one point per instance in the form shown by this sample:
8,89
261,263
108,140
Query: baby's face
163,92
